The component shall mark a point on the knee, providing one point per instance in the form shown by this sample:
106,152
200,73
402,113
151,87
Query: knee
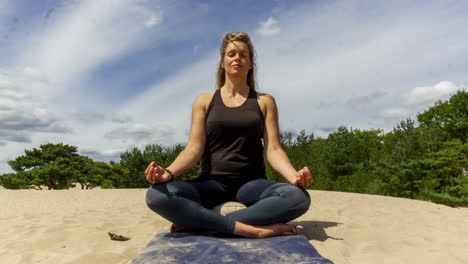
166,196
301,198
298,199
304,203
155,198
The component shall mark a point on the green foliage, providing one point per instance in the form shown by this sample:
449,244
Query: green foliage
136,161
426,162
15,180
52,165
46,154
450,117
107,184
58,166
443,170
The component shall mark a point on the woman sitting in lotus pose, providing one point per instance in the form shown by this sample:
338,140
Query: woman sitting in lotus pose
226,134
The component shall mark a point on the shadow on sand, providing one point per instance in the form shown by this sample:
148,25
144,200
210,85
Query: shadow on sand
315,230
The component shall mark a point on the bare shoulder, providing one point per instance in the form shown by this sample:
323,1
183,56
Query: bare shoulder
266,98
266,102
203,100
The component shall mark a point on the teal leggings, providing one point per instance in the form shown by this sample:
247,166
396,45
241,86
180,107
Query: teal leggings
189,203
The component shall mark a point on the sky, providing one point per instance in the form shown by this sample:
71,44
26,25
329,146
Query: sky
107,76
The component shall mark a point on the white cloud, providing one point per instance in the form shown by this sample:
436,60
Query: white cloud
22,114
395,114
23,82
327,60
121,118
352,55
360,100
427,95
55,58
151,18
418,100
269,27
168,104
85,35
88,117
101,155
138,133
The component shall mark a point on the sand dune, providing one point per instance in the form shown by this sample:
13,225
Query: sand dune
70,226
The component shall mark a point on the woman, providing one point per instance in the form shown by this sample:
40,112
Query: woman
226,134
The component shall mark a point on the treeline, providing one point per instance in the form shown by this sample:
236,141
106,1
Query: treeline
426,161
59,166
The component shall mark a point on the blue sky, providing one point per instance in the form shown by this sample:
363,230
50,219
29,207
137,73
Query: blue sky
107,76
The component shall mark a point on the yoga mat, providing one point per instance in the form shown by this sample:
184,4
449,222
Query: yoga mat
180,248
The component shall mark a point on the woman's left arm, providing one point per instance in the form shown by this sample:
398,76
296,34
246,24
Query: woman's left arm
276,156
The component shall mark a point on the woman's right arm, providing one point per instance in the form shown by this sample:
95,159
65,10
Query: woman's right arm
193,152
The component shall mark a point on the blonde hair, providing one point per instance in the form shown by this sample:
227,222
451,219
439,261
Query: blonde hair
228,38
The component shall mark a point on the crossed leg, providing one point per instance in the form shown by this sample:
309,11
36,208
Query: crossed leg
189,203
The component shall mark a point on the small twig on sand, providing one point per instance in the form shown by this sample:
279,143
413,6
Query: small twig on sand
118,237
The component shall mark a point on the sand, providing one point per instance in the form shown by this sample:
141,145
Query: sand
70,226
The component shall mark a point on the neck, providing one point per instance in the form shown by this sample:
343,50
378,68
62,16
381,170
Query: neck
234,86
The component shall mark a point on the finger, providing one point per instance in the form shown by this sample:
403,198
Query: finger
311,178
151,165
148,172
299,179
160,169
305,174
155,175
151,175
147,168
158,173
304,178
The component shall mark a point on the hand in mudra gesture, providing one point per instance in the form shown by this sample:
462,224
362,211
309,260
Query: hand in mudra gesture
156,174
303,178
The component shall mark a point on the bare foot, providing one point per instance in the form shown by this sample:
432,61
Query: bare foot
276,230
264,231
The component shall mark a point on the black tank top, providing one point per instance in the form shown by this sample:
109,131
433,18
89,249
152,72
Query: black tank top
234,139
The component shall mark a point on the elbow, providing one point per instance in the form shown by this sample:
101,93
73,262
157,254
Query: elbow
272,151
194,151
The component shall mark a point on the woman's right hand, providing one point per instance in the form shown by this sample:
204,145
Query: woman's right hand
156,174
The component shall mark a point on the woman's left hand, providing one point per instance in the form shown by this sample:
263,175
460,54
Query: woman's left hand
303,178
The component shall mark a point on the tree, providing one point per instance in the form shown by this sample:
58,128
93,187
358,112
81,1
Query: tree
46,154
18,180
50,165
59,166
136,161
84,171
450,116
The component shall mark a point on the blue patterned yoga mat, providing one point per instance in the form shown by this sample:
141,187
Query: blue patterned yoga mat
180,248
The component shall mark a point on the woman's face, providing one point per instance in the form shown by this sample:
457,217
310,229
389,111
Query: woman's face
236,59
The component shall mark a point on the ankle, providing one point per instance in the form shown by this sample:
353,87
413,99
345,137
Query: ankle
245,230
